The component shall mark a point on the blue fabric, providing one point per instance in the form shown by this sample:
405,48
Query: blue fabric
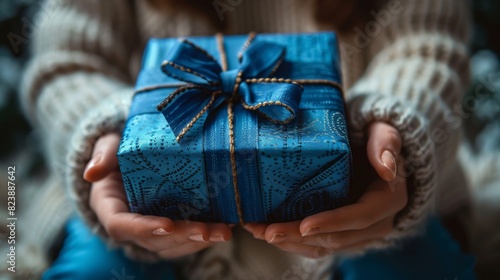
284,172
84,256
435,255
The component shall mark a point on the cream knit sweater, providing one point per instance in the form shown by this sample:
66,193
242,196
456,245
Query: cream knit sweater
404,63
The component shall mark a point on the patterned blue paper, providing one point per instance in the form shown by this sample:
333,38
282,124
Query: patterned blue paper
285,172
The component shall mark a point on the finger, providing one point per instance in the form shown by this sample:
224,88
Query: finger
110,187
191,232
257,229
109,202
345,239
321,245
280,232
376,204
103,159
383,148
305,250
219,232
184,234
182,250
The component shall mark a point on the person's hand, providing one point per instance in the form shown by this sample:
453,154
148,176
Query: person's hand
167,238
352,227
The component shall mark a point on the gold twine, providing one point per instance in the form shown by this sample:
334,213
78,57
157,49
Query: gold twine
230,117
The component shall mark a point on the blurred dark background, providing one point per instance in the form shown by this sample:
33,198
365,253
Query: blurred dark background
16,28
18,144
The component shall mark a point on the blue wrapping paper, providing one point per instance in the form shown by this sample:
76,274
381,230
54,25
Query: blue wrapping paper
285,171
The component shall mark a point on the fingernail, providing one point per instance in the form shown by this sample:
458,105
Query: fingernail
278,237
93,161
389,161
197,237
311,231
217,238
161,231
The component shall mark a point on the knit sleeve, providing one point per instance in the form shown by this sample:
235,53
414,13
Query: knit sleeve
77,86
417,72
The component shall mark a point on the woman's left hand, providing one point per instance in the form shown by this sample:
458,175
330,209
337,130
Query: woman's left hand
352,227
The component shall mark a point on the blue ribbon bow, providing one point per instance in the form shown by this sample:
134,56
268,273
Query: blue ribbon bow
209,85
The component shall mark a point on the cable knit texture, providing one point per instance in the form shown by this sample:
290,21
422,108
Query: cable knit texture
404,62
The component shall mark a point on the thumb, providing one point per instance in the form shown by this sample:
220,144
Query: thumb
103,159
383,148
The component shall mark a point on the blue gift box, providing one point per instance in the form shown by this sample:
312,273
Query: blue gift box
245,128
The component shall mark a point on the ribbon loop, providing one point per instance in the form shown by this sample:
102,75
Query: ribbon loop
261,59
189,63
228,79
276,99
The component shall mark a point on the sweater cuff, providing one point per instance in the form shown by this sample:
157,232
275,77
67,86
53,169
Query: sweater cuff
108,118
417,149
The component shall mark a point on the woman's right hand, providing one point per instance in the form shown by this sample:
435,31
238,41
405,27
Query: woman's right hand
167,238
